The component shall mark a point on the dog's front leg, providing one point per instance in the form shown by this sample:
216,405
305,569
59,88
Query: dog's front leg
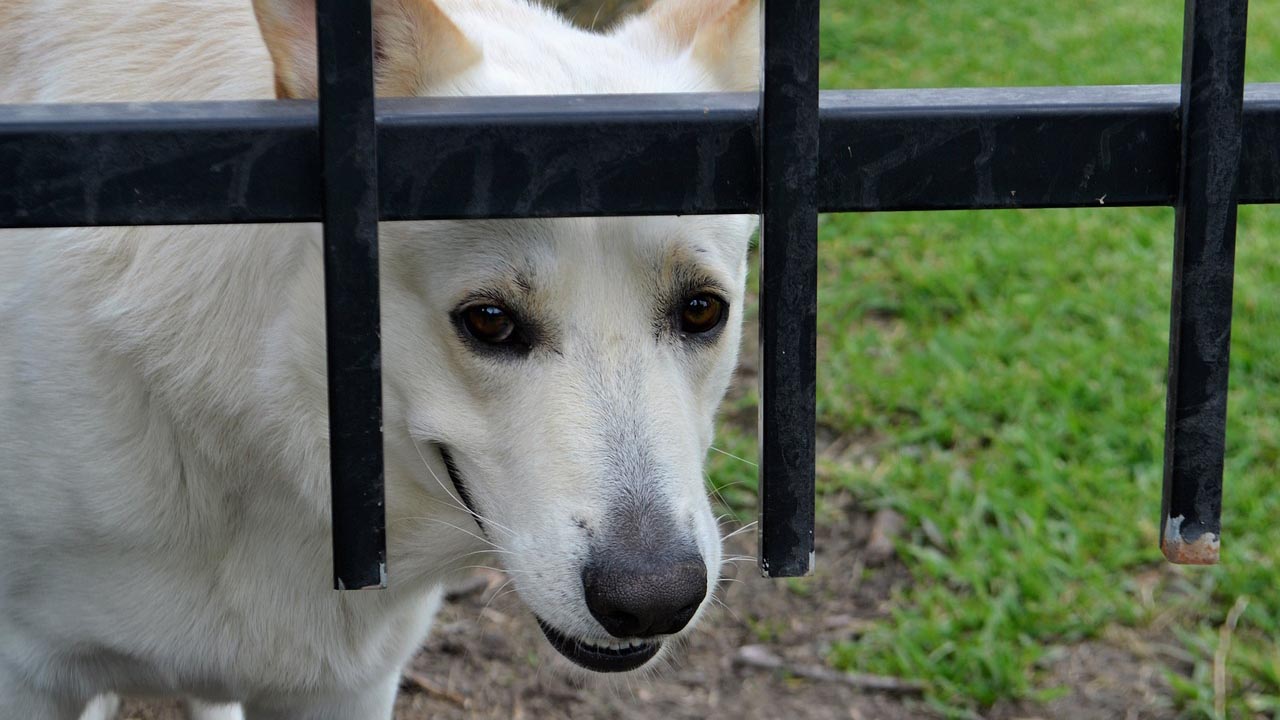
373,703
103,707
199,710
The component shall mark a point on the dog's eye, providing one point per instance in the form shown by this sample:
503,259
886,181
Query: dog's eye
489,323
701,314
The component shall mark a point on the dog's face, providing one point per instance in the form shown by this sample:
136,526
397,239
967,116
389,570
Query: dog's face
560,379
551,385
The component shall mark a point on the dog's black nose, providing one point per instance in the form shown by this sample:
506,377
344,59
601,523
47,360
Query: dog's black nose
641,594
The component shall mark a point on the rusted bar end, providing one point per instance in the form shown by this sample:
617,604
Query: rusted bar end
1181,550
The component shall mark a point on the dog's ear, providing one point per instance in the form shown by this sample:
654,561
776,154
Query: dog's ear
724,35
415,44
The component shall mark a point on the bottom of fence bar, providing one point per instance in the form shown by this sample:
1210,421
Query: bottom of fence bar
1189,548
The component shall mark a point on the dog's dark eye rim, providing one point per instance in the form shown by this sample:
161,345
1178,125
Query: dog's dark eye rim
490,324
701,314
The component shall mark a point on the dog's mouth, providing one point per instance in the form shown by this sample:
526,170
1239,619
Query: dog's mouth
456,478
604,657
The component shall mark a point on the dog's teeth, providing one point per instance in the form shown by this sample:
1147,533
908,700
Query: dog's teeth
614,645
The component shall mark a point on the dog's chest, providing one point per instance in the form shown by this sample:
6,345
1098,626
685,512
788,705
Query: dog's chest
251,617
289,632
275,646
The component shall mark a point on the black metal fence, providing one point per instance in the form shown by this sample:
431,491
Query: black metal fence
787,154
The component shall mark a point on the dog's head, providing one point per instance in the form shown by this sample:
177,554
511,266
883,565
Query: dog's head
551,385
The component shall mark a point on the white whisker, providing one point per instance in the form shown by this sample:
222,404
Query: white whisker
468,511
493,597
460,505
485,540
504,571
505,593
479,552
727,609
718,494
735,457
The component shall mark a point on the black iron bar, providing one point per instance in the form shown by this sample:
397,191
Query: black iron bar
569,156
348,151
999,148
70,165
788,286
1203,269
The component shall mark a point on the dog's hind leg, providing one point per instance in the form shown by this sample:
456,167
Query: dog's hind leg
200,710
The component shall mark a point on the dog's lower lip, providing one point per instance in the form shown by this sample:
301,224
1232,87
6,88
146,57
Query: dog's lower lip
597,658
456,478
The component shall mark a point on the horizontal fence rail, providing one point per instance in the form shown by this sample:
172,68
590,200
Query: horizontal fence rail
881,150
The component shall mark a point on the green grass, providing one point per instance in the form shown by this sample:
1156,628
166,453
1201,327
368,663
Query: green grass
1009,368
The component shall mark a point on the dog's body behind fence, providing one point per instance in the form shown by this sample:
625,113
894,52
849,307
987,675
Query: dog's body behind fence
164,514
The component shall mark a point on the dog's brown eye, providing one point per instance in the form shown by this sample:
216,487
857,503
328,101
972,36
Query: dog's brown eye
489,323
701,314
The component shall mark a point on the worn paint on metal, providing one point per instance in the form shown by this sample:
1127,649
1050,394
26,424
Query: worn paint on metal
1201,550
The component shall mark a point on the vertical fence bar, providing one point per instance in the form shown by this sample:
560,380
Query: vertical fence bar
349,153
1203,268
788,285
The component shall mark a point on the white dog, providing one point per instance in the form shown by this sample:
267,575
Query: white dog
164,520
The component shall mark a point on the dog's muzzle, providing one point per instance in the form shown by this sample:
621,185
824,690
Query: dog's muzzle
639,595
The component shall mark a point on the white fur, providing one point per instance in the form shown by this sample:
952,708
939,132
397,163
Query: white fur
103,707
163,425
199,710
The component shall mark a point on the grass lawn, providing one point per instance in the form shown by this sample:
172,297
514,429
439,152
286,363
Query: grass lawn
1006,371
